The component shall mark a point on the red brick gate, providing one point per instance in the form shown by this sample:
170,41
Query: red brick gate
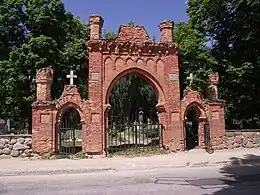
132,52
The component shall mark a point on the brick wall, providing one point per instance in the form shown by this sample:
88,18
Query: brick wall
132,52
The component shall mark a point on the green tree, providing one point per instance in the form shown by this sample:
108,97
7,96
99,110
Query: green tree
195,56
42,34
12,33
132,23
109,35
233,27
130,94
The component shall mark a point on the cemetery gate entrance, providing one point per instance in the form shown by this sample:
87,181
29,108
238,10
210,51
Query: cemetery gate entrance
136,134
191,128
70,133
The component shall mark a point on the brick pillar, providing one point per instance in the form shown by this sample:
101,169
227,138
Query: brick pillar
217,124
166,29
96,123
95,95
43,128
96,24
212,89
173,136
44,79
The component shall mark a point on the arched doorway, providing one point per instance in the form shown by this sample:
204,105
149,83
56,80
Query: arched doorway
70,132
191,124
132,120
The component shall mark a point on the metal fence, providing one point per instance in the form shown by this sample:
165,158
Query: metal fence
136,136
70,141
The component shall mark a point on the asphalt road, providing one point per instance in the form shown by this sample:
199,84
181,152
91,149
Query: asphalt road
181,181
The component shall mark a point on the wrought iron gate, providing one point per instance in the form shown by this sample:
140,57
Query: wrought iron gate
70,133
207,141
136,136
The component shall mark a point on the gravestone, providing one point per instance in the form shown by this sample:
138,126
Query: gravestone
8,126
2,127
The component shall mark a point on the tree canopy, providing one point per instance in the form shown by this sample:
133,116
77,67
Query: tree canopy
220,36
233,28
195,56
36,34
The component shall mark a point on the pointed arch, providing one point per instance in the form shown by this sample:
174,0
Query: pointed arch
160,68
119,62
129,62
159,60
149,62
140,62
197,105
109,63
67,106
142,74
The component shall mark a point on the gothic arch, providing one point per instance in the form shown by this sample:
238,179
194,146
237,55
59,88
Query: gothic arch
119,62
67,106
149,61
154,82
159,60
129,62
108,58
201,109
140,62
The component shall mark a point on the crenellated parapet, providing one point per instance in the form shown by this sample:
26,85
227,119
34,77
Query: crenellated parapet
44,79
132,40
133,48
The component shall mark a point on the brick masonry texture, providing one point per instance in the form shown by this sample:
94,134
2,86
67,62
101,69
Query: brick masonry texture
132,52
16,145
20,145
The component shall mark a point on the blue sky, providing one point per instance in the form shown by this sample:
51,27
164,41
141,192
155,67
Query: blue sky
143,12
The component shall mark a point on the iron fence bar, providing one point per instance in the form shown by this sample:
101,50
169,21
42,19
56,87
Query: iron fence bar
135,137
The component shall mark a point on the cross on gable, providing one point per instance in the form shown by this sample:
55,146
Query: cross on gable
71,76
190,78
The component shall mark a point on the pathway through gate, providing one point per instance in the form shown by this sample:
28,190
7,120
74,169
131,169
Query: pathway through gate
135,136
70,133
132,121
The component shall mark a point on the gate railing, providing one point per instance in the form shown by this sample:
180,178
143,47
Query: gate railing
136,136
70,143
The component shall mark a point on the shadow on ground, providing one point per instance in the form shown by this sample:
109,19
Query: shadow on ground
242,176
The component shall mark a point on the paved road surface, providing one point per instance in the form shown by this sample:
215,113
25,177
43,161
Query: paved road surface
179,181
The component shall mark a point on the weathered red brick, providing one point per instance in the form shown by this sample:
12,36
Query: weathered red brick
109,60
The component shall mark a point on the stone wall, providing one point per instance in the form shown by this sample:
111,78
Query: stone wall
15,145
243,138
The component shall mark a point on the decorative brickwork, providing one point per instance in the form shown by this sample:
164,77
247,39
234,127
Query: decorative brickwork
132,52
166,29
212,89
211,111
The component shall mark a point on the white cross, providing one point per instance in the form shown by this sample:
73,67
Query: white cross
190,78
71,76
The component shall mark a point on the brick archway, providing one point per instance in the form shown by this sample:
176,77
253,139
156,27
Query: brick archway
201,109
202,118
133,52
156,87
70,123
150,79
67,106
